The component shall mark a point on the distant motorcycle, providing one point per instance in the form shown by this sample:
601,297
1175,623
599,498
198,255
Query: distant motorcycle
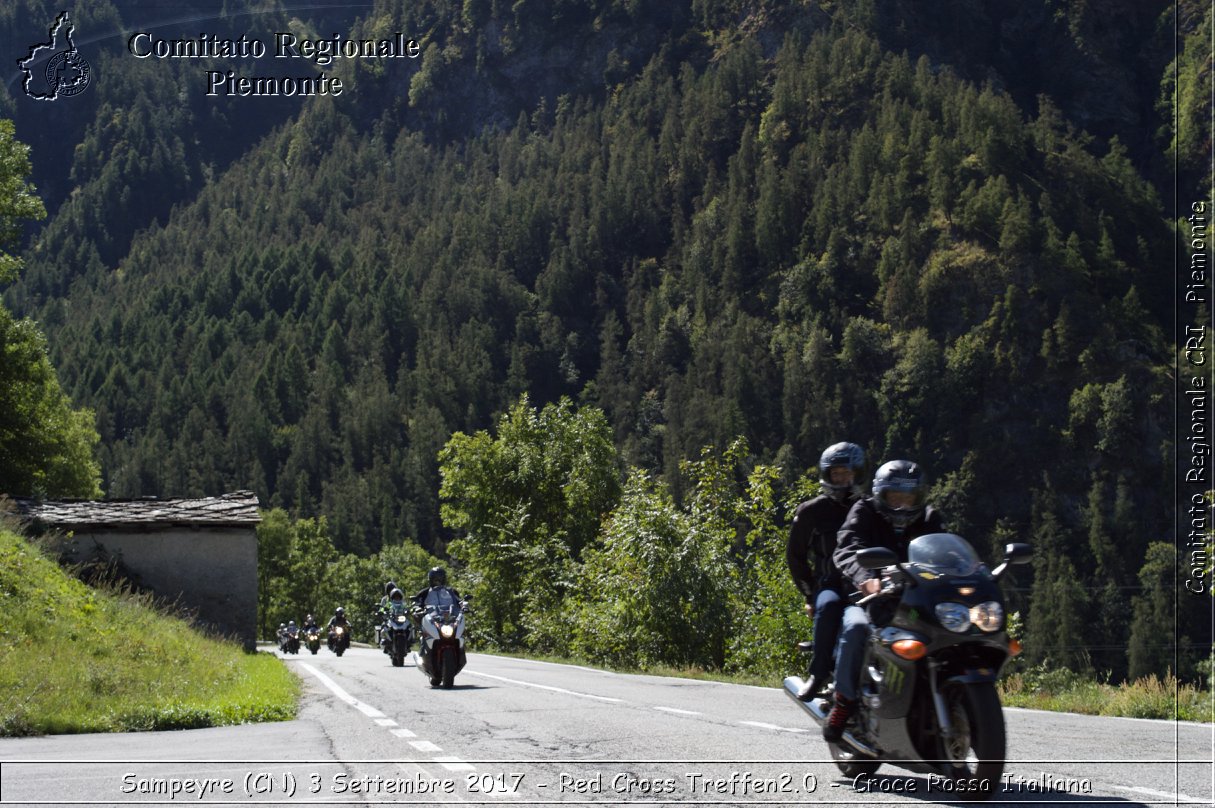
396,637
312,638
291,640
441,652
928,696
339,640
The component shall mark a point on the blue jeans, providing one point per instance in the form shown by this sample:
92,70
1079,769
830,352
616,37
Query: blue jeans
851,649
828,609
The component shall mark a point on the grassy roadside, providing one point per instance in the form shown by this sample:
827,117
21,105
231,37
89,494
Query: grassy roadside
1064,691
77,659
1057,691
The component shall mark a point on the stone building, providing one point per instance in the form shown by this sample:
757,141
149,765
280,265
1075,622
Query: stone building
198,553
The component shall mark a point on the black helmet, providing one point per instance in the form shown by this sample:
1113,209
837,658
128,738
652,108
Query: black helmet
388,587
339,611
847,456
437,577
899,492
397,595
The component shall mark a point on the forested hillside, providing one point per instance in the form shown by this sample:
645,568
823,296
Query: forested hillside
938,233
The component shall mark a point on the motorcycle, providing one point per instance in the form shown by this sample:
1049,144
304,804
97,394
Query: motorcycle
396,636
927,689
339,640
312,638
291,640
441,652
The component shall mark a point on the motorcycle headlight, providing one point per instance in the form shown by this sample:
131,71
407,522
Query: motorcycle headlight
988,616
953,616
400,618
337,631
447,632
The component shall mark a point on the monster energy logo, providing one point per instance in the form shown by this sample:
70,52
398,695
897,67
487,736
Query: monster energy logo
894,678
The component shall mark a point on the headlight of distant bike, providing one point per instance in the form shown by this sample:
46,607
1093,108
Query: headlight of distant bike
988,616
953,616
400,618
447,632
337,631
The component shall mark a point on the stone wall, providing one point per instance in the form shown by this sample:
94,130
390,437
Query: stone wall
211,571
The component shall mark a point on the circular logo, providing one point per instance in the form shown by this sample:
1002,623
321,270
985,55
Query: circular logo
68,73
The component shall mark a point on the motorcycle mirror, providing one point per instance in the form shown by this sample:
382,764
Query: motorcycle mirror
1014,553
1018,553
875,558
468,598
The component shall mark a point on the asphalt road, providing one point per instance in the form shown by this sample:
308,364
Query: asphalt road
516,732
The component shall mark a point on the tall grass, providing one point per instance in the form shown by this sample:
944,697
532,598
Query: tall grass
78,659
1064,690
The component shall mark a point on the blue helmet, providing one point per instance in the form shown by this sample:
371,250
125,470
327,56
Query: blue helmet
903,478
843,455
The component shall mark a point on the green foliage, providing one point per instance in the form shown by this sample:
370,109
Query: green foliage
1186,91
76,659
769,619
17,199
705,219
300,572
46,447
1164,698
655,589
1154,613
526,503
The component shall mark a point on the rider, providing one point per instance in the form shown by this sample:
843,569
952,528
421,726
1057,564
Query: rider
289,631
437,592
396,605
310,623
892,517
842,474
381,611
338,619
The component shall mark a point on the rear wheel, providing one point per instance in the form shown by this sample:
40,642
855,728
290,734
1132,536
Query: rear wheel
852,764
976,750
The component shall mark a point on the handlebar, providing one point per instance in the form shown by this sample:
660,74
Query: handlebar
890,588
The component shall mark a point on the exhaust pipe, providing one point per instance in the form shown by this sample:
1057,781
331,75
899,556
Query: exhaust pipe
815,709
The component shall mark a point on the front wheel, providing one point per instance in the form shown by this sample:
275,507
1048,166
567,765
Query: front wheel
976,750
448,668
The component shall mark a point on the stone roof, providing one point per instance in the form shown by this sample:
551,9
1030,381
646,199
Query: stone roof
237,509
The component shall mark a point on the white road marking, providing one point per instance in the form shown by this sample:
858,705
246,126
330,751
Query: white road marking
558,665
454,764
1176,799
677,711
425,746
362,707
385,722
762,725
403,733
545,687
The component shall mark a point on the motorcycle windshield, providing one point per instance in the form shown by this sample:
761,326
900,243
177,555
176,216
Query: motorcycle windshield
944,554
445,613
